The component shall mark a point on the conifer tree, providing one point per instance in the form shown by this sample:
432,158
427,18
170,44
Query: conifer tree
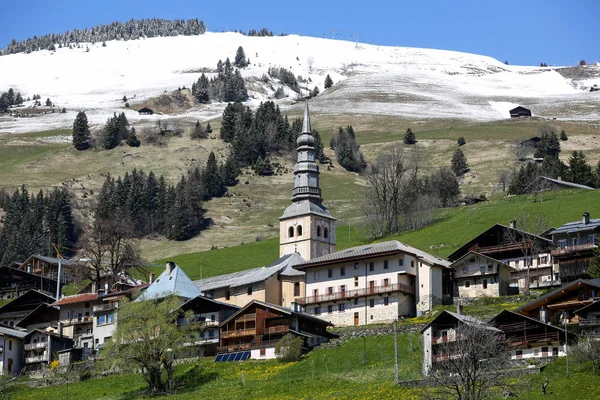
579,170
81,132
132,139
198,132
459,162
208,128
328,82
240,58
409,137
211,179
48,102
229,171
563,136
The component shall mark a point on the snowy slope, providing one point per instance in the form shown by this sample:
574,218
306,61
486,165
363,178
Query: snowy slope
408,82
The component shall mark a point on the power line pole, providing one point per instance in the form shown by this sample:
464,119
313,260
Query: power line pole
396,379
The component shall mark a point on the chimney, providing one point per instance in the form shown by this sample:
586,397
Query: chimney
459,309
60,328
170,267
586,218
151,278
513,224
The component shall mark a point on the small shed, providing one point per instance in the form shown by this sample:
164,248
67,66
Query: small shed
145,111
520,112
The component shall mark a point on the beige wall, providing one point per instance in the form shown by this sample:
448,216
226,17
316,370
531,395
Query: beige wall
309,245
287,290
470,269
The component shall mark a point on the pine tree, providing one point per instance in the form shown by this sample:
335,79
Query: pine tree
198,132
409,137
211,179
328,82
48,102
81,132
18,98
124,99
459,163
579,170
201,90
315,92
208,128
461,141
240,58
229,171
132,139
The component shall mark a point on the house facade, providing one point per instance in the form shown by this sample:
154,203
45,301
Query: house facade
11,354
588,319
574,246
12,313
478,275
77,321
373,283
15,282
257,327
49,266
41,347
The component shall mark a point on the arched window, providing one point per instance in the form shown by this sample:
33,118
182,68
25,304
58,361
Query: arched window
318,230
291,231
299,230
325,233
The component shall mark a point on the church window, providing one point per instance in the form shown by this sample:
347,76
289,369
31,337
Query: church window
325,233
299,230
291,231
318,231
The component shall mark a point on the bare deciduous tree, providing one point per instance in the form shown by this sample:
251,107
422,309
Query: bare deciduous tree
474,361
504,178
587,349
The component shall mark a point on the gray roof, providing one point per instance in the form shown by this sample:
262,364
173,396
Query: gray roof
279,308
372,250
560,182
306,207
12,332
483,256
465,319
576,226
592,282
283,265
176,283
53,260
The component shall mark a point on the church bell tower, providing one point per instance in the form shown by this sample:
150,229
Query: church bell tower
306,226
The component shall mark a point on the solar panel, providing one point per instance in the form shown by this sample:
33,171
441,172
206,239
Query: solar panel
230,357
219,358
245,355
238,356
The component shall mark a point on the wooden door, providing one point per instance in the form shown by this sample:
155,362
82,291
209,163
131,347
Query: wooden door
371,286
544,352
355,319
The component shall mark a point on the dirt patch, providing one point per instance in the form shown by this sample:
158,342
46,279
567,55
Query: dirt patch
174,102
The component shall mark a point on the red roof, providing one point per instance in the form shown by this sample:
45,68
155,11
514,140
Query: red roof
77,298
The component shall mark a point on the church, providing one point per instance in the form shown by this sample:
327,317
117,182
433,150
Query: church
372,283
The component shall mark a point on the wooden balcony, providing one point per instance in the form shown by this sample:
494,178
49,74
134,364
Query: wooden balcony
573,249
105,307
277,329
238,333
76,321
475,272
589,322
246,317
350,294
36,359
39,345
445,339
246,346
444,357
535,338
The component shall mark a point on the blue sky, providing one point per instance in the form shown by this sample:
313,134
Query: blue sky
524,32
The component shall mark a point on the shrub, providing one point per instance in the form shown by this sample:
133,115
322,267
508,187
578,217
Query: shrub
289,348
461,141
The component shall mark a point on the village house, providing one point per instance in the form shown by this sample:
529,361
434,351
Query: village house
11,351
478,275
41,347
171,282
528,254
566,299
373,283
207,315
15,282
575,243
277,283
145,111
254,330
19,308
42,317
588,319
520,111
48,267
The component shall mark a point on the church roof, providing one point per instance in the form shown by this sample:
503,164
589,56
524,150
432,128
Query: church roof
374,250
283,265
176,283
306,207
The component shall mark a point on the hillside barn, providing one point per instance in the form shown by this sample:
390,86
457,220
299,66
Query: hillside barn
520,112
145,111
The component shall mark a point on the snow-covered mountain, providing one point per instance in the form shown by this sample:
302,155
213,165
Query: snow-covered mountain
406,82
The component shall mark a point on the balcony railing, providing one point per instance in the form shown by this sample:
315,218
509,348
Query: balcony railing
277,329
349,294
306,190
79,320
536,338
246,317
246,346
105,307
36,359
39,345
238,333
445,339
573,249
443,357
589,322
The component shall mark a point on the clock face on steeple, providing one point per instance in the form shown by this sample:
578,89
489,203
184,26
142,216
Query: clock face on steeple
294,222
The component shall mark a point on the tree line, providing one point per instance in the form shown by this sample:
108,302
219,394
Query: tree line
227,86
254,136
130,30
33,222
347,151
10,98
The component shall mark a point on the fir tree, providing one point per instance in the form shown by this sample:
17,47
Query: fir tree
461,141
579,170
198,132
124,99
314,93
208,128
328,82
563,136
211,179
201,91
81,132
459,163
132,140
229,171
48,102
240,58
409,137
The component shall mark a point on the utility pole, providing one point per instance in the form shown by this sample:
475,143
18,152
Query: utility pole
356,45
396,379
566,341
365,352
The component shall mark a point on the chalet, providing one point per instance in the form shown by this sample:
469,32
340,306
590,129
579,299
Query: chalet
76,320
208,314
566,299
48,267
530,338
588,319
543,183
145,111
41,347
575,243
172,281
254,330
277,283
11,351
15,282
520,112
477,275
373,283
12,313
527,253
441,331
42,317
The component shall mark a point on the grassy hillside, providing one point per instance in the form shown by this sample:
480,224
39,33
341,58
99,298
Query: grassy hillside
451,229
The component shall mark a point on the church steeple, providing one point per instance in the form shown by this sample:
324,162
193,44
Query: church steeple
306,226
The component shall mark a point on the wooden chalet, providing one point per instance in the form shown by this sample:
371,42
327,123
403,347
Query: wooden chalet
16,282
145,111
520,111
568,299
588,319
530,338
255,329
12,313
42,317
48,267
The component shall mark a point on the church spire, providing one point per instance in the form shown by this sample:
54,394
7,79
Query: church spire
306,170
306,123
